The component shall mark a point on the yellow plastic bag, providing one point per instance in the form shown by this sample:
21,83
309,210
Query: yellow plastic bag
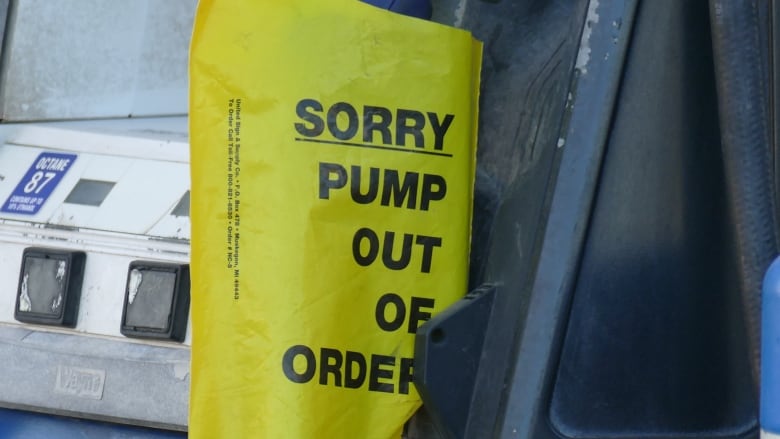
333,154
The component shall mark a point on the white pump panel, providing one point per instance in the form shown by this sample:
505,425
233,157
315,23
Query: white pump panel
117,190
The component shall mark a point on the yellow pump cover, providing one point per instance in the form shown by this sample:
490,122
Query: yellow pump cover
333,150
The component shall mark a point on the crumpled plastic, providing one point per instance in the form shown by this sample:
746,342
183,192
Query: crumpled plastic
333,151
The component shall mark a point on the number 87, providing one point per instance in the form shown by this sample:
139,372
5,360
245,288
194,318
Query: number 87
33,185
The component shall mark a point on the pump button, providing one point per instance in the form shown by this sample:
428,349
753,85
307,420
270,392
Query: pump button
157,301
49,287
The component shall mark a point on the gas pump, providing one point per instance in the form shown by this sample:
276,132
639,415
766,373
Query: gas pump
606,293
94,221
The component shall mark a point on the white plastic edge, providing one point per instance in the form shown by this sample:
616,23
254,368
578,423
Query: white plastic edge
767,435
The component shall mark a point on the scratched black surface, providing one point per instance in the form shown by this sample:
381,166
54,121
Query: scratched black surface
529,53
654,347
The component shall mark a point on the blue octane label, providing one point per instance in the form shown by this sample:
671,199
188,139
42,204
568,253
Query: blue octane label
38,183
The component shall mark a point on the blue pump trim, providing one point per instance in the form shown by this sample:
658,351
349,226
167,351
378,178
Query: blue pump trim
413,8
15,424
770,350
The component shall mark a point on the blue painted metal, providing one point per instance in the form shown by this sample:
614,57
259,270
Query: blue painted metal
15,424
770,350
413,8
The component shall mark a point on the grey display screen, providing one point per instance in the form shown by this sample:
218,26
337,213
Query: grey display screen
150,298
183,207
89,192
43,285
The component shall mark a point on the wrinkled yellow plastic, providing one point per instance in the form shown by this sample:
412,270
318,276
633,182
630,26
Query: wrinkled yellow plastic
273,264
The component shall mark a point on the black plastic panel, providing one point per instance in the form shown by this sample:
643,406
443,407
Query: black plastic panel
536,115
453,337
655,345
3,19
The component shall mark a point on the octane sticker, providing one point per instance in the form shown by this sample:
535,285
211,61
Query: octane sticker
38,183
